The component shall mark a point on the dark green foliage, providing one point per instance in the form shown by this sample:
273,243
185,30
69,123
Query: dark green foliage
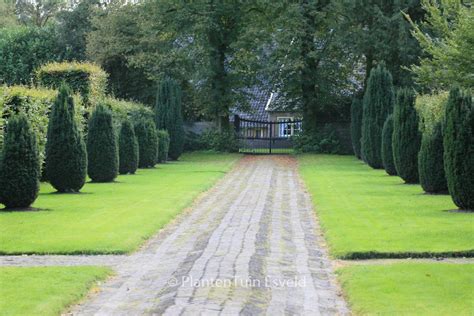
102,149
163,146
128,149
356,125
324,142
387,153
431,162
458,141
377,105
222,141
168,115
20,166
406,137
147,137
66,156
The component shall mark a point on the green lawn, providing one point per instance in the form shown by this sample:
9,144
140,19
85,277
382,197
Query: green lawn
366,213
45,290
410,289
111,217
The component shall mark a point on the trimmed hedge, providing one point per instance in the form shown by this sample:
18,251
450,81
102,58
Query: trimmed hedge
66,156
102,148
128,149
147,137
387,153
20,165
431,162
356,126
458,141
168,115
377,105
126,110
406,137
87,79
163,145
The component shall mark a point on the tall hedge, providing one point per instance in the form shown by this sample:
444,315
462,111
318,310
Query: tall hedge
431,162
458,144
406,136
377,105
168,115
147,137
356,125
387,152
102,147
128,149
19,165
163,146
66,156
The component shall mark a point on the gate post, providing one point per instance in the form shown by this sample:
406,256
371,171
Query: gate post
237,123
271,136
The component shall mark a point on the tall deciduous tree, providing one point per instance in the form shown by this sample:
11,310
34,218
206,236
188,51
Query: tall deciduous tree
66,156
378,104
19,165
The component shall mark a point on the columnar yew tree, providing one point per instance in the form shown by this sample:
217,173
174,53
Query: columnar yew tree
102,149
163,146
458,144
431,162
406,136
387,153
356,125
378,104
147,143
128,149
20,165
66,156
168,115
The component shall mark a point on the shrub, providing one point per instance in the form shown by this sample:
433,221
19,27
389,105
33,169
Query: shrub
36,104
20,165
128,149
127,110
324,141
431,162
377,105
168,115
102,149
87,79
194,141
356,125
406,137
387,153
66,156
145,131
458,141
163,145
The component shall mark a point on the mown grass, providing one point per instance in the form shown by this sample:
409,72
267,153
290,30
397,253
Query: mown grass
365,213
409,289
111,217
45,290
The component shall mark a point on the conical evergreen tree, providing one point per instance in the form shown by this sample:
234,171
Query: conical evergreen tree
431,162
102,148
66,156
147,137
458,144
377,105
406,137
356,125
387,153
168,115
20,165
128,149
164,145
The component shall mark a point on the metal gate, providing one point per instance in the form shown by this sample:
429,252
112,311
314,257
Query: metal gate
266,137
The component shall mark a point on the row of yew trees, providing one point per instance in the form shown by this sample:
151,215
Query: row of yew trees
70,158
386,134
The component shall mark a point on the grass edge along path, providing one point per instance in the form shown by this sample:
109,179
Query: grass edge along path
365,213
45,290
112,218
409,288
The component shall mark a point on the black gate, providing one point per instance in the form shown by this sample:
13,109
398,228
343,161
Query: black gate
266,137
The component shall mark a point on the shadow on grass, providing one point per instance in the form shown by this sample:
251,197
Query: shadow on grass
459,211
23,209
